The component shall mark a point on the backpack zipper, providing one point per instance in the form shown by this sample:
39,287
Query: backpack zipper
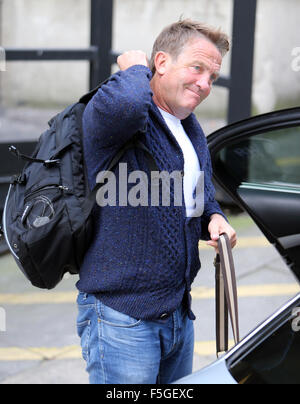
4,226
11,248
61,187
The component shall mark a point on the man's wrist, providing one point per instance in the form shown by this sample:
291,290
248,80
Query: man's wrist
215,215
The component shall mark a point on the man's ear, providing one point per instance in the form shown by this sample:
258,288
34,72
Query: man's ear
161,60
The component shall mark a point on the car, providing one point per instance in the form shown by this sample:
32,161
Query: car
257,162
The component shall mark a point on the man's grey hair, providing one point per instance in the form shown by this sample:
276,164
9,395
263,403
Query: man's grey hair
174,37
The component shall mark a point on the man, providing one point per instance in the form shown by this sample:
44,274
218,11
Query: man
135,319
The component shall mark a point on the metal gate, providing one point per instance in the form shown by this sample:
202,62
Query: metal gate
101,56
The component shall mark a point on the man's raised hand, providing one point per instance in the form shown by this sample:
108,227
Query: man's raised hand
132,58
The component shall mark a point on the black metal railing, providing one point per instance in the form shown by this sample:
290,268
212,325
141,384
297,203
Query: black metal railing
101,56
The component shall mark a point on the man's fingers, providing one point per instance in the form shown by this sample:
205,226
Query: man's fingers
132,58
217,226
214,243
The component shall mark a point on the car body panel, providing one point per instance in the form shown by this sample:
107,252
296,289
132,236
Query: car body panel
217,373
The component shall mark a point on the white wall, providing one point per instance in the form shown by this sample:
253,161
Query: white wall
47,23
65,23
277,35
138,23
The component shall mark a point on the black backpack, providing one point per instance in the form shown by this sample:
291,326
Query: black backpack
47,220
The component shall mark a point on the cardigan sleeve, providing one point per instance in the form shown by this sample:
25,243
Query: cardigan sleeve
119,109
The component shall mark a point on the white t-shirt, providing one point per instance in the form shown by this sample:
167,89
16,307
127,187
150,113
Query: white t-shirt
191,161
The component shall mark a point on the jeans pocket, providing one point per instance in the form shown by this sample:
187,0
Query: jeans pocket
86,313
115,318
84,333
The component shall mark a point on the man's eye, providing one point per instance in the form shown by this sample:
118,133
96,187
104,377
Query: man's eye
198,68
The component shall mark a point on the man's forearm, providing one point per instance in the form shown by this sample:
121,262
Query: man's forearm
119,109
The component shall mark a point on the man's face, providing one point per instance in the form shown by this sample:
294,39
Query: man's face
187,81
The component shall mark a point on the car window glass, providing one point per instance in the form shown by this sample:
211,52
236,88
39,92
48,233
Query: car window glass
270,159
275,360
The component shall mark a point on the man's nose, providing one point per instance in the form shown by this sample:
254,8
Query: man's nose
203,83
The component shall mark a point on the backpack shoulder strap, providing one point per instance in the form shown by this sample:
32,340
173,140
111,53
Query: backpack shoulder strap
131,144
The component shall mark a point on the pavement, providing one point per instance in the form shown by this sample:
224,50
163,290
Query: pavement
38,340
24,123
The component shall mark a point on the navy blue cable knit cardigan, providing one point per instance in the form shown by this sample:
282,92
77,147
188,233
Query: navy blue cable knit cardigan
142,260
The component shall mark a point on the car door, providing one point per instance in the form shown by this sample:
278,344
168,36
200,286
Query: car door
257,161
268,355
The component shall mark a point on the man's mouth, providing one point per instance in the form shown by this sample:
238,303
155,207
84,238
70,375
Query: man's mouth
195,92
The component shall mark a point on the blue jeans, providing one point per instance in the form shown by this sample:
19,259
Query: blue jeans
120,349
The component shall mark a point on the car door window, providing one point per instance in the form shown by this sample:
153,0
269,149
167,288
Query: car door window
262,169
276,359
270,159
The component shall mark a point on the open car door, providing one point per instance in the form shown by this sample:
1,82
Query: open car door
257,161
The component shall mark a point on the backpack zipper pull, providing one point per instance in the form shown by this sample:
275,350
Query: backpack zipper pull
63,188
47,163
